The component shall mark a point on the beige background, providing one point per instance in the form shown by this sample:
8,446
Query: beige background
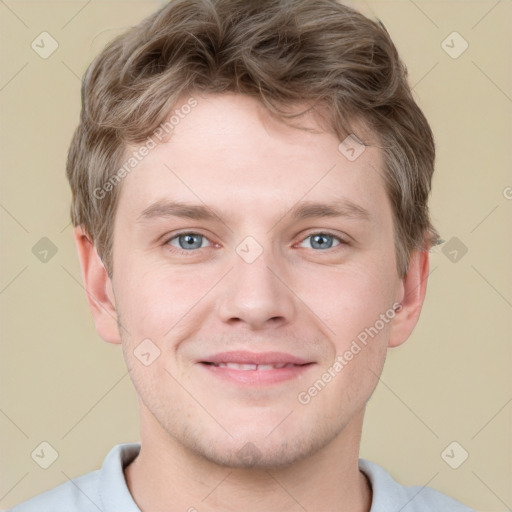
451,381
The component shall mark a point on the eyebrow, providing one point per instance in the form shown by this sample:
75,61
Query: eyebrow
341,208
301,211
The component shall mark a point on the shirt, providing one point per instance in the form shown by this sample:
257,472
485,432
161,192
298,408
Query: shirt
105,490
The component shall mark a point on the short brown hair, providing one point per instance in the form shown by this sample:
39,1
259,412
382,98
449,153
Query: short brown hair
284,53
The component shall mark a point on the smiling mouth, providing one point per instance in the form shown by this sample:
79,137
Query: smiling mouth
251,369
254,367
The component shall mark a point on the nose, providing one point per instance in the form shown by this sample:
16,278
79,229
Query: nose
257,294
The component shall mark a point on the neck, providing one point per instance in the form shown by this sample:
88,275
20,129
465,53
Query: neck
166,476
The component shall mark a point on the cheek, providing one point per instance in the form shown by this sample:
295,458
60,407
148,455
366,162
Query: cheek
362,324
347,298
154,301
359,337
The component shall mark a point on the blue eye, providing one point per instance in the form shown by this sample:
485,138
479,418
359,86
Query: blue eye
323,241
188,241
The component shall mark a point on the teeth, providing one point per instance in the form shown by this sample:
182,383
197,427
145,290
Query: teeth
237,366
266,367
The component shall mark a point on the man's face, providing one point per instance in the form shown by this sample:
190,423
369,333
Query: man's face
241,278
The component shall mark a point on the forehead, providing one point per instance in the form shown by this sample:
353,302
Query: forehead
230,154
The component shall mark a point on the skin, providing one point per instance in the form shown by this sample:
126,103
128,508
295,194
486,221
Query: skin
249,168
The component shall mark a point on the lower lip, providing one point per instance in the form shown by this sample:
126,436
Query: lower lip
257,377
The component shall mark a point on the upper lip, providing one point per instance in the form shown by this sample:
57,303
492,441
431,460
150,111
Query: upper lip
243,357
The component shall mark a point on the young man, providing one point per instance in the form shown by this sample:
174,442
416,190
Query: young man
250,183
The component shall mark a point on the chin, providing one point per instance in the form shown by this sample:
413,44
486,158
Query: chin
253,455
260,450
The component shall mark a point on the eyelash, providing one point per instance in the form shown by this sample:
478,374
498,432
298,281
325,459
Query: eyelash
182,252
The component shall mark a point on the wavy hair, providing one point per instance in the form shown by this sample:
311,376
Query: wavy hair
318,53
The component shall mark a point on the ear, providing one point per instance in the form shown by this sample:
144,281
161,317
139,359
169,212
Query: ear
98,287
411,296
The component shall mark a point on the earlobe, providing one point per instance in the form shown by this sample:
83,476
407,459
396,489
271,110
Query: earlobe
98,288
412,294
